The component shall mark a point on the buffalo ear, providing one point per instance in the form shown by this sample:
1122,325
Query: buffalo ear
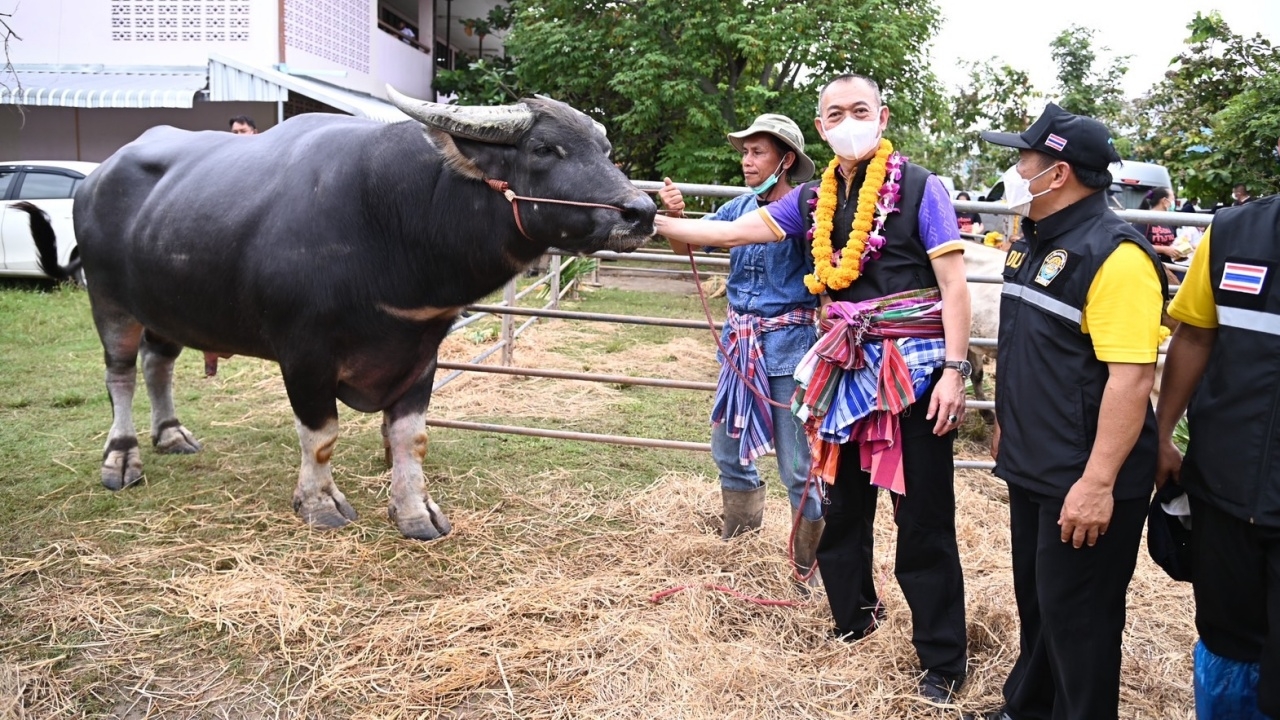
469,158
502,124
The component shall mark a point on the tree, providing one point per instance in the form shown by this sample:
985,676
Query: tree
482,81
1086,89
1215,117
996,97
670,77
7,71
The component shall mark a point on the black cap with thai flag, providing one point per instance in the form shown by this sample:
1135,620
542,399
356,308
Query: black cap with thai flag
1079,140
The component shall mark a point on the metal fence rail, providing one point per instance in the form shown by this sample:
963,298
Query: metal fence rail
589,377
508,308
567,435
598,317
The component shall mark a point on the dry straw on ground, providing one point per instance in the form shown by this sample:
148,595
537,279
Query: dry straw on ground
537,606
549,616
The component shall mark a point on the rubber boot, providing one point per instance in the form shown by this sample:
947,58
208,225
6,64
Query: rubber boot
743,511
805,549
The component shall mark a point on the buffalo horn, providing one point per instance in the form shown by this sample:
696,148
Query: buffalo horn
500,124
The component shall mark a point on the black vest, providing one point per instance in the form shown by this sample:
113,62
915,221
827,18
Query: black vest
1049,383
903,263
1233,461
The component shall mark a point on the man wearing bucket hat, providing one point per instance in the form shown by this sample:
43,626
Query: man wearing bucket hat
770,308
884,388
1075,435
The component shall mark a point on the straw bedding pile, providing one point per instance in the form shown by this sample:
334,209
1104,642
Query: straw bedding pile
538,606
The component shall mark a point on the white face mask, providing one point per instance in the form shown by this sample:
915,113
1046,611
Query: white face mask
1017,190
853,139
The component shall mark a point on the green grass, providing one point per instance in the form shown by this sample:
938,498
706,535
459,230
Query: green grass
55,413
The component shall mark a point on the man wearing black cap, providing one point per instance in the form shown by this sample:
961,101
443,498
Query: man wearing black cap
1075,436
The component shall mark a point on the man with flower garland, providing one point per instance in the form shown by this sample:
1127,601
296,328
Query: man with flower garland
771,324
883,390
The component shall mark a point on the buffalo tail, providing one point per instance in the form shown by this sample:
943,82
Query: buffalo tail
47,243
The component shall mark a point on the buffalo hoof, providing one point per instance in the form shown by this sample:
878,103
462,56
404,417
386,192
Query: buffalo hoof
175,440
431,526
326,513
121,468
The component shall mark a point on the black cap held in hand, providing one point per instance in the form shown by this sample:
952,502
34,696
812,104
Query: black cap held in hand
1077,139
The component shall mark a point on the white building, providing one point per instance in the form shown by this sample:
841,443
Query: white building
92,75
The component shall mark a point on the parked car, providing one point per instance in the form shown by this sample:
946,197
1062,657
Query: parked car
49,185
1132,180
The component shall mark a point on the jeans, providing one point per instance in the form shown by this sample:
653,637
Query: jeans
792,450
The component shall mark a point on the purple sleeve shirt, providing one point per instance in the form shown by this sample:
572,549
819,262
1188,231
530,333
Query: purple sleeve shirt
937,218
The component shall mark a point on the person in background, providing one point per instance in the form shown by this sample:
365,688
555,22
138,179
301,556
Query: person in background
243,125
1160,236
771,324
1189,205
970,222
1222,369
1241,195
406,33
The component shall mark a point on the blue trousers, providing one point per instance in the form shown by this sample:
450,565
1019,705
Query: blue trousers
788,440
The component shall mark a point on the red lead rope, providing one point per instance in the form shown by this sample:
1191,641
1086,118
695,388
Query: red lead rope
702,295
809,482
504,187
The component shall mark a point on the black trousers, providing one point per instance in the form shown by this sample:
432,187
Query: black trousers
927,564
1071,607
1236,577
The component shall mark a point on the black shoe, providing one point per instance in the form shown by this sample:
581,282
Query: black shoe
993,715
877,619
939,688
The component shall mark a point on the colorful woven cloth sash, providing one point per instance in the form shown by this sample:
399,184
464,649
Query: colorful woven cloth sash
748,416
871,362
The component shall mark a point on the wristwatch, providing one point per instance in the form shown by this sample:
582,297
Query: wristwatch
961,366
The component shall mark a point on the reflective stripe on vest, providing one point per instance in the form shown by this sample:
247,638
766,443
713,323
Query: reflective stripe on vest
1249,320
1051,305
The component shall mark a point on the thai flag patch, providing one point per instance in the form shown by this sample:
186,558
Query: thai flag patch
1057,142
1238,277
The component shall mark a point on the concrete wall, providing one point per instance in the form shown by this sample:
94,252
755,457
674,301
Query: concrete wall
352,51
93,135
402,66
74,32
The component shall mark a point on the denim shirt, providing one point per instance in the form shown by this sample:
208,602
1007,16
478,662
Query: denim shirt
768,280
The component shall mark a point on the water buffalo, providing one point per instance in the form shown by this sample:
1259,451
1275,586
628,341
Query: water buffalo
339,247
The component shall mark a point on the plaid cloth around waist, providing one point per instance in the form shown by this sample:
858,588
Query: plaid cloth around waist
872,361
747,415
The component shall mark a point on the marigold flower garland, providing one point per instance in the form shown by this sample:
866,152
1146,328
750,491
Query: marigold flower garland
877,199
